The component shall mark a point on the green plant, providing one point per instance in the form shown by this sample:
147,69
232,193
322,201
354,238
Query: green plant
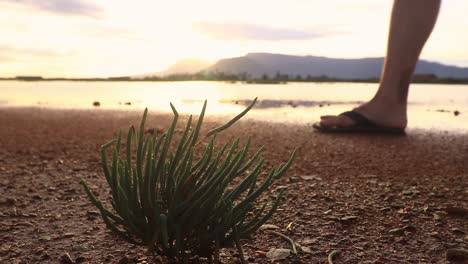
165,200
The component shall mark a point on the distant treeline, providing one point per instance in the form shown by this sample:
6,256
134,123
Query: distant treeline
244,77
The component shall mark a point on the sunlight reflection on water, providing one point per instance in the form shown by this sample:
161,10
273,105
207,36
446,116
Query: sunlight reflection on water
432,106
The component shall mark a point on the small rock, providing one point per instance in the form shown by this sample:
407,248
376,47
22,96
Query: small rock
437,195
278,253
82,168
456,113
68,235
66,259
45,238
311,177
306,249
92,214
25,223
349,218
397,231
308,241
410,228
267,226
281,187
457,231
96,103
437,217
459,254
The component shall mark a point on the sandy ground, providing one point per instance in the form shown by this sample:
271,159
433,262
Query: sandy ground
375,199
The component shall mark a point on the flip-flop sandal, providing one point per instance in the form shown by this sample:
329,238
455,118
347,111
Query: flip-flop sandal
361,125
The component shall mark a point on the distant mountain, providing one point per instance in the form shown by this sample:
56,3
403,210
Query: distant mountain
257,64
189,66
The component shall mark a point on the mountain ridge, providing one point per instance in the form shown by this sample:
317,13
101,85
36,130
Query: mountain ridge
258,64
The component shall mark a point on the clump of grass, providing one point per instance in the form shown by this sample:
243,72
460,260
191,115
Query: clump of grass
177,205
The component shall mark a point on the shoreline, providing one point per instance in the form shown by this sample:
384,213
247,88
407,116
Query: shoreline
298,121
386,182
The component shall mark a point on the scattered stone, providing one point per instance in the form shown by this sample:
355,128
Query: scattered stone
96,103
66,259
457,231
25,223
308,241
305,249
437,195
397,231
79,168
36,197
281,187
438,217
267,226
410,192
311,178
410,228
68,235
278,253
458,254
92,215
349,218
456,113
45,238
385,209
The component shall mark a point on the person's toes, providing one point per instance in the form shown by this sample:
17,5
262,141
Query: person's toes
327,117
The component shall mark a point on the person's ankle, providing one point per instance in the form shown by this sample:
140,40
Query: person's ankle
385,113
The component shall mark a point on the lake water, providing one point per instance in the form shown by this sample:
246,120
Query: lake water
431,106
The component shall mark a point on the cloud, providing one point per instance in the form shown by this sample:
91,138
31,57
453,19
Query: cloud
241,31
62,7
9,53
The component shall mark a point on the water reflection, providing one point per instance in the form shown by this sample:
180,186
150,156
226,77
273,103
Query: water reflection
431,106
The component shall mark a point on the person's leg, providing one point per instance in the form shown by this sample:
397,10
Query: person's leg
411,24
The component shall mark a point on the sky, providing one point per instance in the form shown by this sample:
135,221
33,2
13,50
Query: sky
81,38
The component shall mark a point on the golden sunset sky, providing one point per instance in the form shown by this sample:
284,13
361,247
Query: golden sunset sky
78,38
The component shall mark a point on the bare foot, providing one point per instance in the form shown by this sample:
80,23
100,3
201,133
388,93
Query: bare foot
381,114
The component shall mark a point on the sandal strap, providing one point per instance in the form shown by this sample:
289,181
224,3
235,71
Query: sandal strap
358,118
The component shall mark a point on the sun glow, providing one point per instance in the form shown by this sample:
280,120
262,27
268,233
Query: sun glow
128,38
